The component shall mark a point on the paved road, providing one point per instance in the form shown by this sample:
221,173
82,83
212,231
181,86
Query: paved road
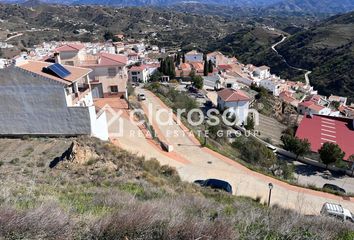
312,175
12,37
194,162
307,80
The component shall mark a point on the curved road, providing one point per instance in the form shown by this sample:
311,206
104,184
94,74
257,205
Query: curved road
307,80
195,162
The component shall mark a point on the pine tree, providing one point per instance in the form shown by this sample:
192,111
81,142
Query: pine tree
206,68
210,66
183,58
178,59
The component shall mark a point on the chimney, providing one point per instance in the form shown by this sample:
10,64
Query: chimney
57,58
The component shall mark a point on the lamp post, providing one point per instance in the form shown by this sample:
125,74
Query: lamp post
205,130
270,185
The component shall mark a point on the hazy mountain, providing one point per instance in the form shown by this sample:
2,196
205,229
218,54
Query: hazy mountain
268,6
156,2
313,6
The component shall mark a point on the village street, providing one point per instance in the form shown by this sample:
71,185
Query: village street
194,162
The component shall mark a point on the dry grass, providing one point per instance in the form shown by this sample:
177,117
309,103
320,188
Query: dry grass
137,199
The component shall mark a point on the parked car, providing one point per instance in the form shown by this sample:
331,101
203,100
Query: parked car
141,97
215,184
272,148
333,188
134,85
337,211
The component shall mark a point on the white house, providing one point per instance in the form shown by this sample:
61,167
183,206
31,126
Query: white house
236,101
70,54
261,72
138,74
40,98
193,56
310,108
217,58
274,85
109,73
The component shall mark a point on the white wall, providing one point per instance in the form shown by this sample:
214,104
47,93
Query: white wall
240,109
98,124
36,105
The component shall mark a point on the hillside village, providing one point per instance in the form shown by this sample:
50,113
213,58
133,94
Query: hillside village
64,89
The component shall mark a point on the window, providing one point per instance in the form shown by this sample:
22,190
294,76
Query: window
114,89
134,73
112,72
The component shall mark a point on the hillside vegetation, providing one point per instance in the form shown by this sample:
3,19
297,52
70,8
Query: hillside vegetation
81,188
328,50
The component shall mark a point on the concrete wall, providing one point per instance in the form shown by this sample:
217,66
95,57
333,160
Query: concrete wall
36,105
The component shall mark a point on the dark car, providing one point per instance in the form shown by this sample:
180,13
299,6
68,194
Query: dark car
333,188
215,184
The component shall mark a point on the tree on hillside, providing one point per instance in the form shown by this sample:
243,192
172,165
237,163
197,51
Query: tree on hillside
250,123
178,59
296,145
330,153
198,82
210,66
351,160
206,68
183,58
110,36
192,74
167,67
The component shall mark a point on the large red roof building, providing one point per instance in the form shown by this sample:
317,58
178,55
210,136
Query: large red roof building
319,129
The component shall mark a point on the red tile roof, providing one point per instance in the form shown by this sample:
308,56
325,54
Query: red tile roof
231,95
70,47
312,105
225,67
36,67
138,68
113,59
321,129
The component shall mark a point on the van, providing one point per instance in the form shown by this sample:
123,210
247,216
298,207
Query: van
337,211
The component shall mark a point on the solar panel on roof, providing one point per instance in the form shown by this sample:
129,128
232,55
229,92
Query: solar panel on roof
59,70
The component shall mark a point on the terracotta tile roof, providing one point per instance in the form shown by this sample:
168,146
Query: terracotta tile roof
105,59
231,95
312,105
306,103
225,67
70,47
197,66
37,68
138,68
185,66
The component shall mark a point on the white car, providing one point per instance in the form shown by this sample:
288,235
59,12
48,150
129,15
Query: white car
336,210
141,97
272,148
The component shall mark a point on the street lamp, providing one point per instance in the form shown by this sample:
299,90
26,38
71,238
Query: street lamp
270,185
205,130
